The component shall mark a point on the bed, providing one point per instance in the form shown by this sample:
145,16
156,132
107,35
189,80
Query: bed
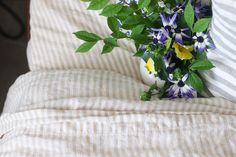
77,105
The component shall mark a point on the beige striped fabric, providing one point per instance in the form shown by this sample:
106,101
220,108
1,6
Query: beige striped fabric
94,110
221,81
98,114
53,45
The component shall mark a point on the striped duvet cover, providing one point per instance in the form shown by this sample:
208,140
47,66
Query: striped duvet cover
92,113
73,105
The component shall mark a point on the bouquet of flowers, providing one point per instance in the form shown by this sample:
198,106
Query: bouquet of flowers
171,36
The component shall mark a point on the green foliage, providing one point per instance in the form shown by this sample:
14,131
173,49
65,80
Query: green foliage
125,12
113,25
86,36
111,41
139,53
137,30
189,15
143,3
85,47
201,65
97,4
195,81
201,25
111,10
107,48
147,95
134,22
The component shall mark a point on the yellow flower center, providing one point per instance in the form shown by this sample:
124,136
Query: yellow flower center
183,52
150,66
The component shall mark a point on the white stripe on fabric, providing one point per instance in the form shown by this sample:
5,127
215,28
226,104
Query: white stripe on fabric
52,45
221,80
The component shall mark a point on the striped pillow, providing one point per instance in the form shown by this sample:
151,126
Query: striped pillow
221,81
52,45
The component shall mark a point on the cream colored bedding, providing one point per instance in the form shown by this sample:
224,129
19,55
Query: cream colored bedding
96,113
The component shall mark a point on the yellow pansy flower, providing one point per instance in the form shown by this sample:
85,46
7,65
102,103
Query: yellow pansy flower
150,66
183,52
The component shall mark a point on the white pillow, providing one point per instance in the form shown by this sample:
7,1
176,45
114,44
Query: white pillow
52,45
221,81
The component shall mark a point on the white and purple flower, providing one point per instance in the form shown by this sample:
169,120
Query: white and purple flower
199,9
172,29
202,42
159,36
169,22
180,89
180,7
167,60
179,34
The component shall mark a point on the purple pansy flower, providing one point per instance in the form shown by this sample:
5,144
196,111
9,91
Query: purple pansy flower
203,42
180,90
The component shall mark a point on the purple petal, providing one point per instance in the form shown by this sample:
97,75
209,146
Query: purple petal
212,46
201,50
185,35
172,20
164,19
185,77
156,29
184,29
178,38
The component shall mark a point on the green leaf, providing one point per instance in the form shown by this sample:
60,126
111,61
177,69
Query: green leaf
201,25
86,36
124,12
189,15
201,56
107,49
177,74
86,47
133,20
138,30
113,24
111,41
146,96
139,53
143,3
168,44
97,4
201,65
119,35
196,82
111,10
141,39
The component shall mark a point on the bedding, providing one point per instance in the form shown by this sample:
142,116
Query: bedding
52,45
75,113
221,80
88,105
